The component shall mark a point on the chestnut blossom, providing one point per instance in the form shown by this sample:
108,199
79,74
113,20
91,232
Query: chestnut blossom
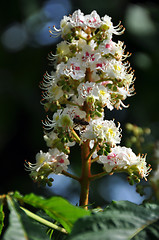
54,159
53,93
102,130
93,20
64,118
72,69
77,19
108,47
88,56
89,74
124,158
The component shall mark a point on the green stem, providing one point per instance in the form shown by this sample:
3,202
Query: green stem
88,41
44,221
76,137
67,174
82,37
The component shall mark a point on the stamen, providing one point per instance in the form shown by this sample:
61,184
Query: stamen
48,124
55,32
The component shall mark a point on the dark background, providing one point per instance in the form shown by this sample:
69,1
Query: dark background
24,46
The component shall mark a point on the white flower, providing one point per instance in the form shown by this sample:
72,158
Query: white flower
119,51
95,91
88,56
93,20
78,19
53,93
54,159
104,96
115,69
41,159
101,65
52,123
120,157
107,47
106,21
49,138
85,90
104,130
48,80
142,167
58,160
65,25
72,69
110,162
64,118
74,111
125,158
63,49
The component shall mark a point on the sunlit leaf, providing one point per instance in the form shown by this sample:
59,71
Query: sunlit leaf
21,227
56,207
122,220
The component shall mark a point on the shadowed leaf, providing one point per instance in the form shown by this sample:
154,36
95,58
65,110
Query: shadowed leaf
121,220
56,207
21,227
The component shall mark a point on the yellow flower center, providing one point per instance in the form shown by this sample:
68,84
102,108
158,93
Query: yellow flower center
110,131
102,92
117,67
41,160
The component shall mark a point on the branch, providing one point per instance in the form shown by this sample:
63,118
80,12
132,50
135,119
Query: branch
92,151
67,174
95,159
98,175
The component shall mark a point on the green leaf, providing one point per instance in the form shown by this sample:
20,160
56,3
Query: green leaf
121,220
1,216
56,207
21,227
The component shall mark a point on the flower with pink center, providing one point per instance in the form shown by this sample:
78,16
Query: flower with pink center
78,19
124,158
53,159
72,69
107,47
93,20
111,155
101,65
88,56
61,160
85,90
